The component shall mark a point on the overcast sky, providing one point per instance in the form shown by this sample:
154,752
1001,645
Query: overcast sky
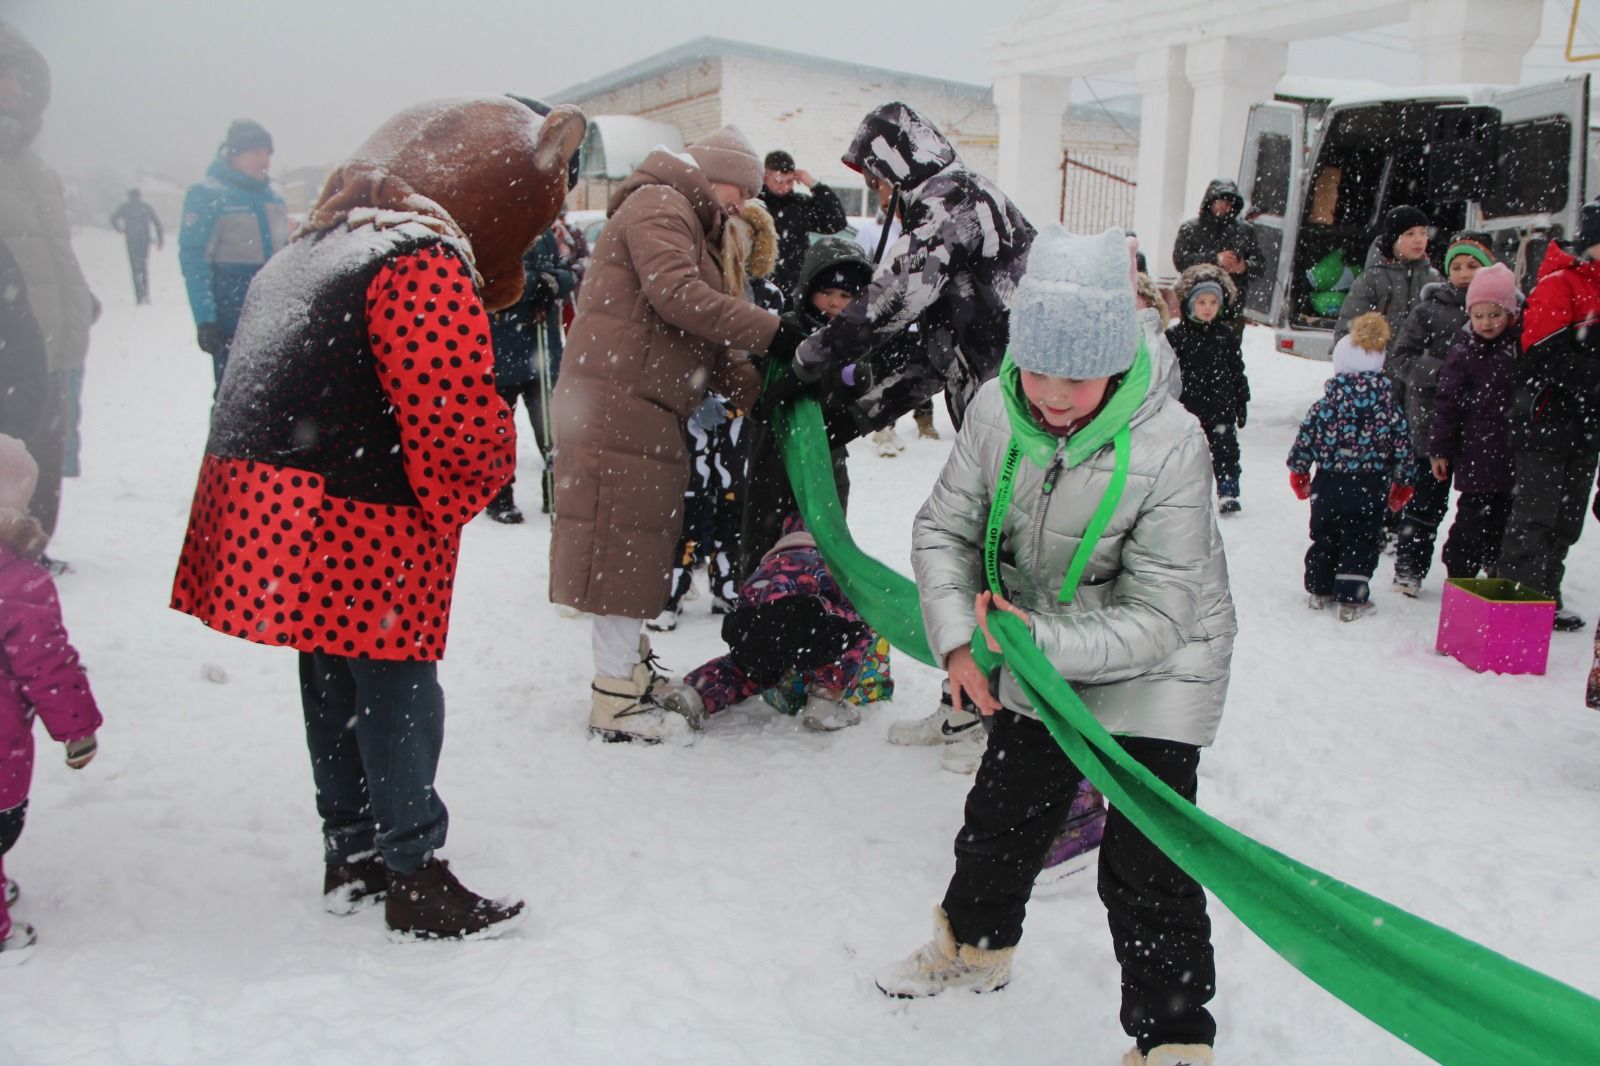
150,85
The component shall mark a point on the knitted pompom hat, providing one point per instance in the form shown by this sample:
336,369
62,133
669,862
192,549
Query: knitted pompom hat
1361,350
19,476
1371,332
1074,314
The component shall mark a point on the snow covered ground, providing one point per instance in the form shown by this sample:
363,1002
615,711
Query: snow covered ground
726,903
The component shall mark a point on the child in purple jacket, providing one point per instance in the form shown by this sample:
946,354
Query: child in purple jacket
1471,432
39,673
794,638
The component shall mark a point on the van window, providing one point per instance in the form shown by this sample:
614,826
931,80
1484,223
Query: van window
1532,168
1269,193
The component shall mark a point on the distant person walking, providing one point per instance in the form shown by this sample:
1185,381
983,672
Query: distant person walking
796,216
134,220
232,224
1218,235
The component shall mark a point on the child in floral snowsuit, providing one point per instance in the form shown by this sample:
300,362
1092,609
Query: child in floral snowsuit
793,637
1358,439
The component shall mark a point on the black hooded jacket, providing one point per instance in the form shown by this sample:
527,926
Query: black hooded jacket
1204,237
796,217
952,274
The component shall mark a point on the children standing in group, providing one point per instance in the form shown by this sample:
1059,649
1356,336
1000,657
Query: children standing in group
1356,436
1471,434
1080,421
794,638
1215,389
40,675
1414,364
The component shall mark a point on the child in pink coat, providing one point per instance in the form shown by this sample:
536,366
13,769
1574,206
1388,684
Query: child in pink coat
39,673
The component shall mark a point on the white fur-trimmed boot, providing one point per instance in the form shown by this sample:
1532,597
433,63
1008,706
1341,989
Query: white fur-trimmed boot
1170,1055
942,963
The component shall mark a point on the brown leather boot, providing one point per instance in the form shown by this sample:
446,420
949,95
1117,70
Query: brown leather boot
355,884
430,904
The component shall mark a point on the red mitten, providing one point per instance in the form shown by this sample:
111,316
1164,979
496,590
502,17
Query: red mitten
1300,482
1400,495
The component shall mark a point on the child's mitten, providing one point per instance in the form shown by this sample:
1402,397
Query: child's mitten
80,751
1300,482
1400,495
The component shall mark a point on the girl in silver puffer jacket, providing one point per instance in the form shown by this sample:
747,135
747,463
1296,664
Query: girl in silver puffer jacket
1077,497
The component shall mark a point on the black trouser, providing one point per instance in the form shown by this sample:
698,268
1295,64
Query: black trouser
11,826
1224,442
1157,913
1419,523
139,263
374,730
1346,534
1475,535
532,394
1548,503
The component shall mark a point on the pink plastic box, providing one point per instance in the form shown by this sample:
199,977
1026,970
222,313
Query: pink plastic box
1495,624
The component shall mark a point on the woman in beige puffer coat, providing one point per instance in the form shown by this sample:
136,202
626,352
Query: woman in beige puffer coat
655,330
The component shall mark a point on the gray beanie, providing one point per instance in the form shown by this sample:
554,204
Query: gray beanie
1074,314
1200,288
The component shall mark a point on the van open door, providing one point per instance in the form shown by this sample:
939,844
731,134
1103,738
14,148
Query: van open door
1271,179
1541,166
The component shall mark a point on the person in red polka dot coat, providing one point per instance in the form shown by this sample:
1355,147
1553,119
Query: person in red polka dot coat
356,430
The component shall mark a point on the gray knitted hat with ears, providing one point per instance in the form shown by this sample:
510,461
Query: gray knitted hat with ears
1074,314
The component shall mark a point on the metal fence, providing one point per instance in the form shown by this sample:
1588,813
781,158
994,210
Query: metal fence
1097,191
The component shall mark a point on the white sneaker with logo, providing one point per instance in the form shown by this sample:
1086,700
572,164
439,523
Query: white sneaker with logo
965,754
944,726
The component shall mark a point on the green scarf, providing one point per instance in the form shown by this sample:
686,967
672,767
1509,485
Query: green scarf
1449,998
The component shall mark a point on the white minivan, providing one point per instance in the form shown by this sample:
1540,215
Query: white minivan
1511,161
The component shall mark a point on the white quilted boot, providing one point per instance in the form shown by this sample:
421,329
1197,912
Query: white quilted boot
1170,1055
628,709
942,963
827,711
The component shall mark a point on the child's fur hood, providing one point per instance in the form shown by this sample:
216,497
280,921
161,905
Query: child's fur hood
1205,272
22,534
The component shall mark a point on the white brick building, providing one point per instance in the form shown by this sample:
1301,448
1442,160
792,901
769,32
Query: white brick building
810,106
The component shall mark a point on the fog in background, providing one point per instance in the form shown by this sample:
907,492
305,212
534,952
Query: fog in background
145,88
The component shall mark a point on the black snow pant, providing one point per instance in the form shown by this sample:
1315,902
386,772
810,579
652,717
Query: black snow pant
1548,503
1419,523
1346,534
1224,442
712,508
1157,913
374,729
1475,535
11,826
532,394
139,264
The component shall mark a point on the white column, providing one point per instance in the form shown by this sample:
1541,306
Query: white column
1474,40
1164,113
1228,75
1030,107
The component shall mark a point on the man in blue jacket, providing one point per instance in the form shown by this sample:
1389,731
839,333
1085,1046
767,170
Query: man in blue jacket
232,223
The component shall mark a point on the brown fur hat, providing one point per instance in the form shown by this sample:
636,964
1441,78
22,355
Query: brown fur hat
489,167
1145,288
1370,332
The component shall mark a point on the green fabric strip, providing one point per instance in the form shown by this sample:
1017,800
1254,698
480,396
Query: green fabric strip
1446,996
1102,516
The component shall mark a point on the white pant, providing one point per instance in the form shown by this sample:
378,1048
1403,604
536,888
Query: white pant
615,644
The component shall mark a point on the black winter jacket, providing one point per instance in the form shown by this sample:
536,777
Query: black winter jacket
1204,237
796,217
1215,389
